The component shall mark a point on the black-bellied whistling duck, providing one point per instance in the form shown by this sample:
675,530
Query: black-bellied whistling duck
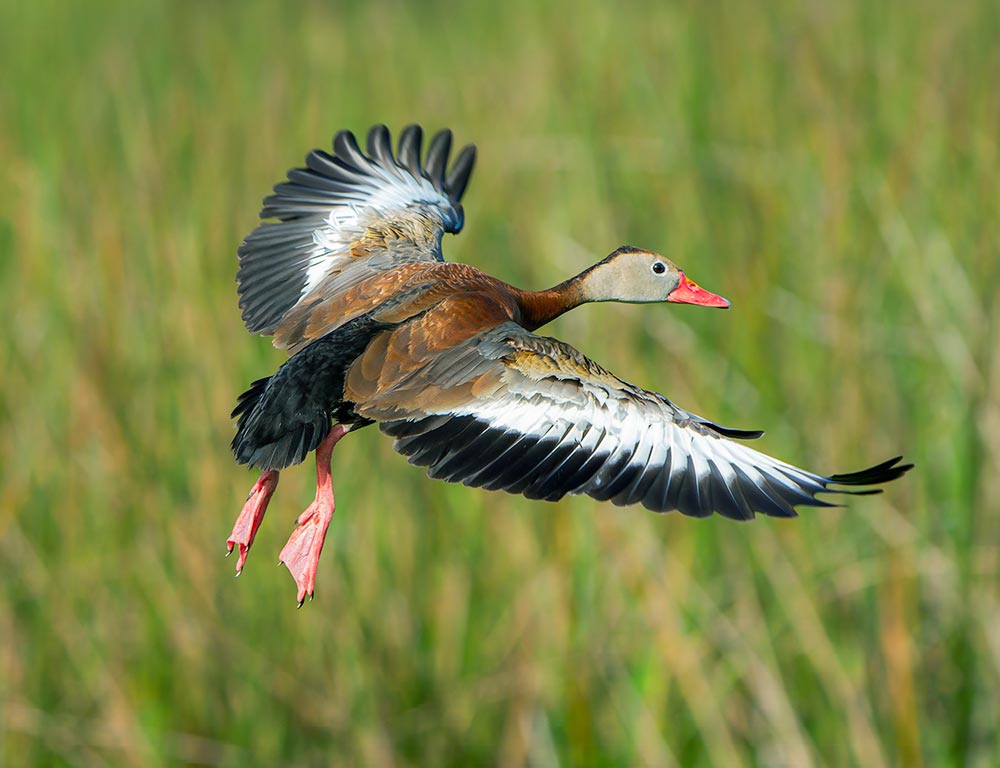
350,279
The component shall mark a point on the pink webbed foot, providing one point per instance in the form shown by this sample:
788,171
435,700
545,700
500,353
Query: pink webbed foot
301,554
251,516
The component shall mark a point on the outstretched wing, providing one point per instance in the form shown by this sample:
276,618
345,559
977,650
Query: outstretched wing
346,217
513,411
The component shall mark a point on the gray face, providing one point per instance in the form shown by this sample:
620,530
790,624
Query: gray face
633,275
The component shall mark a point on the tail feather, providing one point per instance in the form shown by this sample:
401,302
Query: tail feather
276,427
246,402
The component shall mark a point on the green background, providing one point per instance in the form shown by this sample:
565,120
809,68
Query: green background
831,168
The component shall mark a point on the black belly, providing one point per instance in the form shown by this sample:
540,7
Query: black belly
285,417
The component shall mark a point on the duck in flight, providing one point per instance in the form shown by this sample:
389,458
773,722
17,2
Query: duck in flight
346,273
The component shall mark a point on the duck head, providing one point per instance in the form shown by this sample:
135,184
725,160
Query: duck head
635,275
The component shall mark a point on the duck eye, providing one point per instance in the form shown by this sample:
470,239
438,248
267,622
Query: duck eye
659,267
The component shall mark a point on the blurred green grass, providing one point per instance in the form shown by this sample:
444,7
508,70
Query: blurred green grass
832,169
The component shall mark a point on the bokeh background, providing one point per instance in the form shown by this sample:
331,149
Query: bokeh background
832,168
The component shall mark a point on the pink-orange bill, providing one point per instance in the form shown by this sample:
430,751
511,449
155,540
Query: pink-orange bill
689,292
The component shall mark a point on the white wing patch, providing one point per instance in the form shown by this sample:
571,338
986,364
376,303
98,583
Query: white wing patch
346,224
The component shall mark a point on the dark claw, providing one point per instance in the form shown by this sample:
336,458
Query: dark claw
301,602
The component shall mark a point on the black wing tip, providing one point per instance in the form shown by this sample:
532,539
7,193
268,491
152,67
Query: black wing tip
451,182
876,475
349,163
461,170
739,434
445,134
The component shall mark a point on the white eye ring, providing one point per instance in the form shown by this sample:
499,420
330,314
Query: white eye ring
659,267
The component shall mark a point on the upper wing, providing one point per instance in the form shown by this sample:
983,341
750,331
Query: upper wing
510,410
346,217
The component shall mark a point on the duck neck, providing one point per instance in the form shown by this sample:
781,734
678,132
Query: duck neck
541,307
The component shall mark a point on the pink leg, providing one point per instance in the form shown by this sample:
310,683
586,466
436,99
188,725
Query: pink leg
301,554
251,516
